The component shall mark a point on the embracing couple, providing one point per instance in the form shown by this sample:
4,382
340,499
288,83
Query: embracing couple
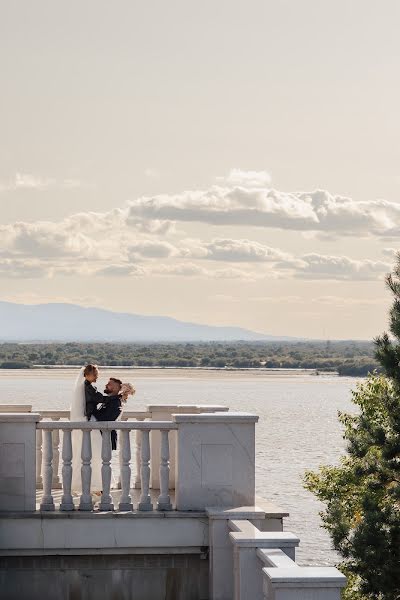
90,405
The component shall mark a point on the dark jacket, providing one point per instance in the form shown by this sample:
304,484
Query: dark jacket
110,411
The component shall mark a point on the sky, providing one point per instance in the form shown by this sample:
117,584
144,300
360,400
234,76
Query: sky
222,162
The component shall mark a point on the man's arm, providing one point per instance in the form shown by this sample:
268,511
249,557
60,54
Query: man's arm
109,411
92,399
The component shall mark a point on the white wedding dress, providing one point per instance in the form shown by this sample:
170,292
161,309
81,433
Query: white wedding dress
77,413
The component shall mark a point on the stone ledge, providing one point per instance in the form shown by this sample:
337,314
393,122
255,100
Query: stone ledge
241,512
19,417
228,418
304,577
253,538
187,408
80,514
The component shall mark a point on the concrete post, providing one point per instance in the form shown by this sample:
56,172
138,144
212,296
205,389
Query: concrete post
215,460
164,412
220,548
18,461
318,583
247,567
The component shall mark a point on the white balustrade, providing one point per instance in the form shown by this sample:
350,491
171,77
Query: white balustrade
86,502
47,499
67,502
138,454
56,484
125,502
145,500
164,500
106,500
47,431
39,459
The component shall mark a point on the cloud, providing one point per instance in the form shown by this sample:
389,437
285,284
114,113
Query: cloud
236,205
318,266
28,181
121,271
23,269
240,250
391,252
251,179
151,249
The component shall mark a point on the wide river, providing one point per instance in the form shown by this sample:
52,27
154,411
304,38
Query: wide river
298,427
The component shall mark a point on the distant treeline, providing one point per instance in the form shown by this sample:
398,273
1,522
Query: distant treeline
346,358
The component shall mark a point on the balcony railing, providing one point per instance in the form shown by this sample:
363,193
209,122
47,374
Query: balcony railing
50,430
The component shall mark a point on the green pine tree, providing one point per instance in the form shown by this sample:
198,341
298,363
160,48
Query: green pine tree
362,494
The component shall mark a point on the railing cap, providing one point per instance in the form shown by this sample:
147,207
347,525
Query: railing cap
221,418
13,408
240,512
19,417
264,539
187,408
304,577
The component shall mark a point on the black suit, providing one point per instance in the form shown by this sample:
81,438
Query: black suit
109,411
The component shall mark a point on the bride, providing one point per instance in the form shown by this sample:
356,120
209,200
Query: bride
79,412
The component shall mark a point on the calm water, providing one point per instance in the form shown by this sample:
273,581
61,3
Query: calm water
298,427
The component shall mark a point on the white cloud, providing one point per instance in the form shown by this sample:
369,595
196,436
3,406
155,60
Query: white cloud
318,266
242,251
151,249
317,211
391,252
23,269
252,179
29,181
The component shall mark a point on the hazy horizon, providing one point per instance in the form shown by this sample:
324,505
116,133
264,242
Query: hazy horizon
231,163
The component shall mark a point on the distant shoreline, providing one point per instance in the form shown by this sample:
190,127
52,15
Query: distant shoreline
311,371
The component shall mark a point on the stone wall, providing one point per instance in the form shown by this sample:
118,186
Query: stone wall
104,577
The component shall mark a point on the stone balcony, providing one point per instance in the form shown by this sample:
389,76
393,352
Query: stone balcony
182,524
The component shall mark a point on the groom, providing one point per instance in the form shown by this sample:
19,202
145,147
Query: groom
110,404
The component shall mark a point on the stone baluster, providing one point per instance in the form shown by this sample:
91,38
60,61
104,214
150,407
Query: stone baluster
39,459
66,500
106,502
164,501
138,440
56,484
145,500
86,502
47,499
125,457
119,483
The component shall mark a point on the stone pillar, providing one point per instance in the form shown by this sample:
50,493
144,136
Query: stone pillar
247,567
18,461
164,412
318,583
220,548
215,460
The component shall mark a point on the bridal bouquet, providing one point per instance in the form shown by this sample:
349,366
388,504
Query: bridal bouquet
126,390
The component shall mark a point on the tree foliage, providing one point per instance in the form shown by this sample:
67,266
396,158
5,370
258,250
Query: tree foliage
362,494
345,357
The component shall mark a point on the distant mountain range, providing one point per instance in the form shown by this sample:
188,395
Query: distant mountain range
70,322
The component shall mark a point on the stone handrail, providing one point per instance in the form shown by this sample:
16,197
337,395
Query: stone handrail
154,412
265,568
64,414
48,428
214,461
